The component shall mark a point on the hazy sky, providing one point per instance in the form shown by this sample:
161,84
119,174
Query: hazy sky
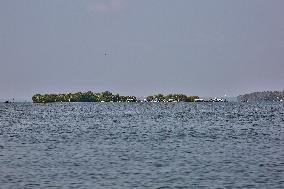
196,47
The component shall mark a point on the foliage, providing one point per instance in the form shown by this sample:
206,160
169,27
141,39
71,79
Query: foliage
262,96
107,96
171,98
83,97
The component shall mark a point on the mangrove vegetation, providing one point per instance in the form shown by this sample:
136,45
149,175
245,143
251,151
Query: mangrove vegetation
83,97
109,97
171,98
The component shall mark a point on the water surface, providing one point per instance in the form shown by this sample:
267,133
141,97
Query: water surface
142,145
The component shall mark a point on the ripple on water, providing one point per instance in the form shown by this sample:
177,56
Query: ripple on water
141,145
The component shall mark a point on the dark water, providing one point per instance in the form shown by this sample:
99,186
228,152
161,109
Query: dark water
142,145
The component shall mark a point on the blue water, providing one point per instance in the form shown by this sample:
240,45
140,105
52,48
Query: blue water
142,145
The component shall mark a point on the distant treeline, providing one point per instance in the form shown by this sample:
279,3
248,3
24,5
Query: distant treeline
171,98
83,97
108,97
262,96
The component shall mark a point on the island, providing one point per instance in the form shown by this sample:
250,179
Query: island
171,98
107,96
83,97
273,96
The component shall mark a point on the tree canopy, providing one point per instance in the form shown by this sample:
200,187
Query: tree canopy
107,96
89,96
171,98
262,96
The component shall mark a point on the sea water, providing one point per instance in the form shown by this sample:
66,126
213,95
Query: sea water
142,145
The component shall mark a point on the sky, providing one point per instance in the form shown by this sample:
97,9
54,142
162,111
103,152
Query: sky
141,47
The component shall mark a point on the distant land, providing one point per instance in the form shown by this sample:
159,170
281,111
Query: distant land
273,96
108,97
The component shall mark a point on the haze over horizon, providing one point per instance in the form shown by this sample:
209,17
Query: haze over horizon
205,48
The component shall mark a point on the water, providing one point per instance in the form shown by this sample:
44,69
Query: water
142,145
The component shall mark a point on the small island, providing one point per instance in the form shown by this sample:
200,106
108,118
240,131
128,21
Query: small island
83,97
109,97
171,98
